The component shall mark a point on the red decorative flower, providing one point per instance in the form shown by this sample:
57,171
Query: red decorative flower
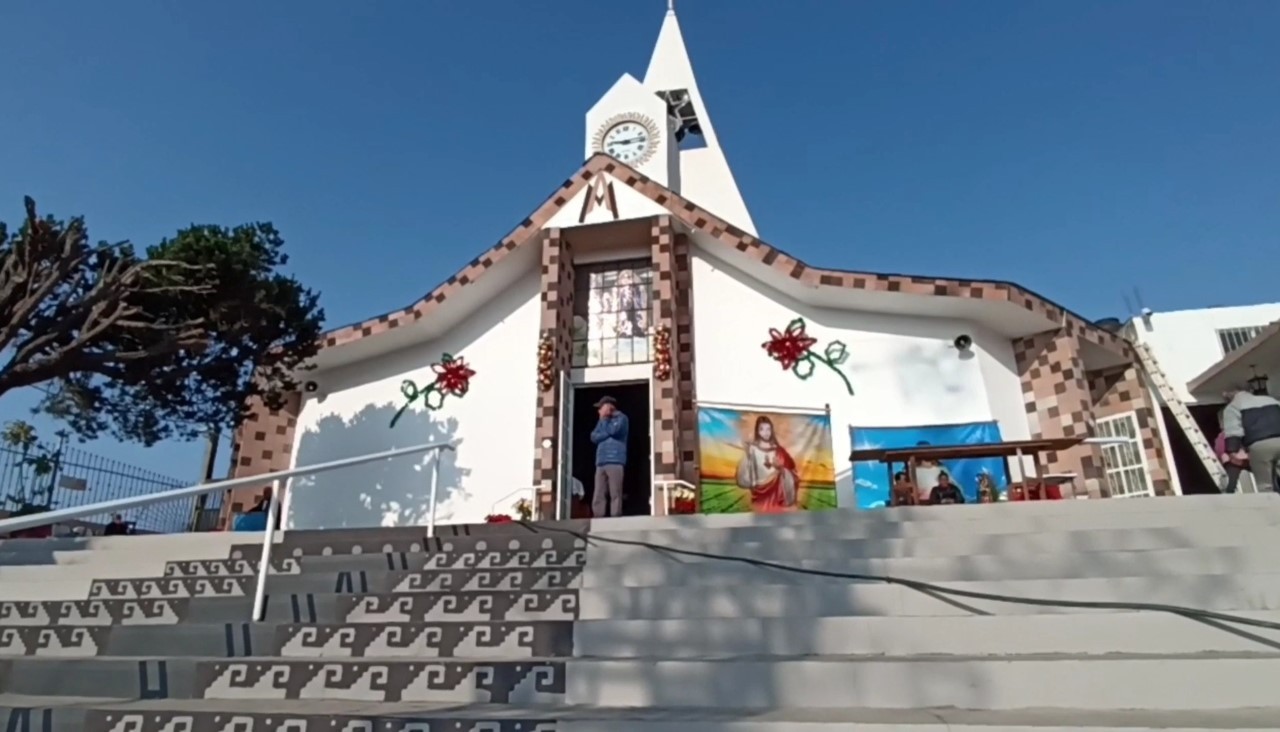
498,518
684,506
789,346
453,375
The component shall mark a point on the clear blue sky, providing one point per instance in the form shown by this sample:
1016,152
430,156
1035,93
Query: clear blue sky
1079,148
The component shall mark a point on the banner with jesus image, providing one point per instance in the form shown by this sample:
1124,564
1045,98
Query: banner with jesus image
765,462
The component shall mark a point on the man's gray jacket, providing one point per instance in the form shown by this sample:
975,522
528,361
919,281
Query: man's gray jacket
1250,418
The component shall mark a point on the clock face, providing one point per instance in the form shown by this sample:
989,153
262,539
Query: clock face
630,141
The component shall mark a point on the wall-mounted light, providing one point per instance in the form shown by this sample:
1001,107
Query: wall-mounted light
963,342
1258,382
311,387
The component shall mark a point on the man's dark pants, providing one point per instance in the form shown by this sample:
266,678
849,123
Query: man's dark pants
607,500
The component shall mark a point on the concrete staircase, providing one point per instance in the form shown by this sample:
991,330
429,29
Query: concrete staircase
564,629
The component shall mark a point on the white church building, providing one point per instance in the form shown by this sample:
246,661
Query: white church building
643,277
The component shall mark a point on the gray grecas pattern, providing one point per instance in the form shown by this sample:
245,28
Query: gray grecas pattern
440,634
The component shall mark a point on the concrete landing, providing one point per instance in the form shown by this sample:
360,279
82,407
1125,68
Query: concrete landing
68,714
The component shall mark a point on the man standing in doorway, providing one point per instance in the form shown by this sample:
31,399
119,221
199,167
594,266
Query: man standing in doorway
1251,423
610,438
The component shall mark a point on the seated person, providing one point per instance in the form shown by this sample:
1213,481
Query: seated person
264,502
1035,491
926,476
902,492
263,506
117,527
987,492
945,492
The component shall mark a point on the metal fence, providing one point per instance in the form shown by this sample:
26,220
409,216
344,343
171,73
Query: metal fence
78,478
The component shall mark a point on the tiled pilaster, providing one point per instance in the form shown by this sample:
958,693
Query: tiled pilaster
1119,390
1055,391
556,320
682,361
262,444
666,399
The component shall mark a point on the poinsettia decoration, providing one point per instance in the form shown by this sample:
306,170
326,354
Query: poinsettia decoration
793,350
662,353
453,378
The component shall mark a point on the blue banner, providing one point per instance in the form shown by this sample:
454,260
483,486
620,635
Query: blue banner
871,479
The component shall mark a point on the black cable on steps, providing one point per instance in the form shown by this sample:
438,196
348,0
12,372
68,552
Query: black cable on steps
923,587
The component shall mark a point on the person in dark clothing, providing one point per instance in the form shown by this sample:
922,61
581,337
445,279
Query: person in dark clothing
903,491
264,506
945,492
264,502
610,438
117,527
1251,423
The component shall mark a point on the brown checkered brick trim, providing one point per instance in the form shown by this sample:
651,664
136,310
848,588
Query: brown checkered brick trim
1119,390
683,366
476,267
556,319
666,399
262,444
695,217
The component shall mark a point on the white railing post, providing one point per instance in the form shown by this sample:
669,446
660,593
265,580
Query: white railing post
264,561
435,484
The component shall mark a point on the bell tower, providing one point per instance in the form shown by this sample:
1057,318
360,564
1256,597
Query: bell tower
660,127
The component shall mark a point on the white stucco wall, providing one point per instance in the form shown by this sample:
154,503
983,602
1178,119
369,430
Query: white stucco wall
1185,342
904,369
493,424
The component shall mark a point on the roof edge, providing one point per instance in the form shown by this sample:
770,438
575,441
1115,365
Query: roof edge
748,244
1236,356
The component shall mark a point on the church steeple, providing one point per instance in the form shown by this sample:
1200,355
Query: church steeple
704,175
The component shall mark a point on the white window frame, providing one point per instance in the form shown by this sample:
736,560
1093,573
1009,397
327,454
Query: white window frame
1237,338
1116,469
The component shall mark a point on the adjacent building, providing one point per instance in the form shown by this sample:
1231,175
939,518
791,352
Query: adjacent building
1204,352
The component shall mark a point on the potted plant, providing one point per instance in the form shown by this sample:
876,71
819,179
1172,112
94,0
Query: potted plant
524,509
36,466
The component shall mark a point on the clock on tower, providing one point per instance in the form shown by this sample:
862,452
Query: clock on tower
630,138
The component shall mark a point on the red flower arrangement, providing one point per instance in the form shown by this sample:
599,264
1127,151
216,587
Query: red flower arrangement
683,501
453,378
498,518
662,353
793,350
684,506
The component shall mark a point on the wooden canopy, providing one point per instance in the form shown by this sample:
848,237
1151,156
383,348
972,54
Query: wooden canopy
957,452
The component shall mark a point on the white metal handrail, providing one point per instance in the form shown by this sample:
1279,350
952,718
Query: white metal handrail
273,510
665,486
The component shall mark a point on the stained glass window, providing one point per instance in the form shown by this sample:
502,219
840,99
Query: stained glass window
611,307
